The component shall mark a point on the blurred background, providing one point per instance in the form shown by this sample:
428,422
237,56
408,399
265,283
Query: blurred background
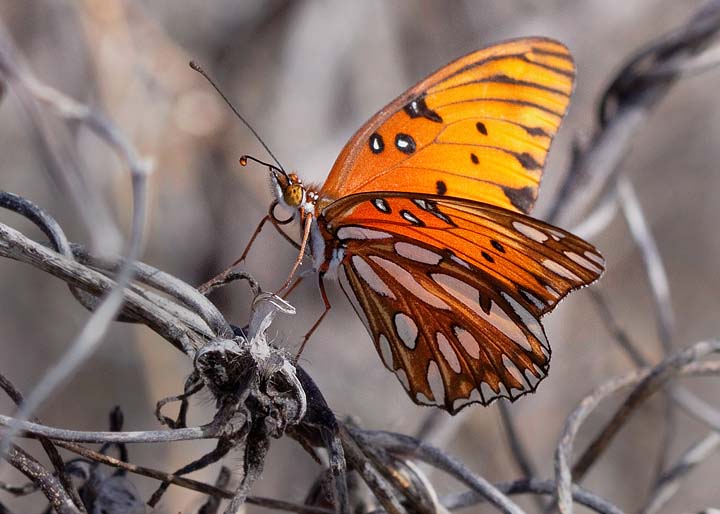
307,74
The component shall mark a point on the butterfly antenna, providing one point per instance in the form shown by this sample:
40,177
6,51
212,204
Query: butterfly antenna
195,66
245,158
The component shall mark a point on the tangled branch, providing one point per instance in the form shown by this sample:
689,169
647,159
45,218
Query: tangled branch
260,394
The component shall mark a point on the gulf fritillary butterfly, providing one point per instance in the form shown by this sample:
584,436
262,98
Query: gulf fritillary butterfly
423,220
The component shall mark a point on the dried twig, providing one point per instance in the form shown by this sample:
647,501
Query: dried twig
537,488
649,381
409,447
46,482
635,93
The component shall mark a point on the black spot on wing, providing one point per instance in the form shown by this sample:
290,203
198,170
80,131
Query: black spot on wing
377,145
522,198
441,187
536,131
417,108
496,244
405,143
474,158
481,128
527,161
487,256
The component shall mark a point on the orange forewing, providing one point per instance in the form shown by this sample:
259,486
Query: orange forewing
479,128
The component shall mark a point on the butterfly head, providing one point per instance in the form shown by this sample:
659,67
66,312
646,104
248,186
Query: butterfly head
288,188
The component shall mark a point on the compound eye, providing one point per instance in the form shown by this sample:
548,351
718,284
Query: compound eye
293,195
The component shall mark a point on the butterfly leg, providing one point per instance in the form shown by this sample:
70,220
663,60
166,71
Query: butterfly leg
277,223
292,287
303,245
270,216
325,300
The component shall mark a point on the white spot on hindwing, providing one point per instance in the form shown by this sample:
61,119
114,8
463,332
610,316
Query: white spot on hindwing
514,371
556,234
462,291
528,320
423,400
531,232
533,299
582,261
381,205
460,261
469,297
468,342
595,257
385,351
402,376
421,203
487,392
473,397
560,270
417,253
361,233
532,378
448,352
435,382
350,293
552,291
371,278
408,282
409,216
406,329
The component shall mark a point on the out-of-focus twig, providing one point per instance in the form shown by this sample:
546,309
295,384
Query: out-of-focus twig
660,287
535,487
669,481
635,93
187,483
16,246
97,325
28,428
380,487
56,143
178,290
517,448
657,377
657,277
407,446
59,466
46,482
34,91
684,362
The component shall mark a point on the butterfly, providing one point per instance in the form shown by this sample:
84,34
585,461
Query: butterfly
423,219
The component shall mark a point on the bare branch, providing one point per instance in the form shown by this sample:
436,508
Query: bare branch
535,487
636,91
649,381
669,482
407,446
657,276
46,482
